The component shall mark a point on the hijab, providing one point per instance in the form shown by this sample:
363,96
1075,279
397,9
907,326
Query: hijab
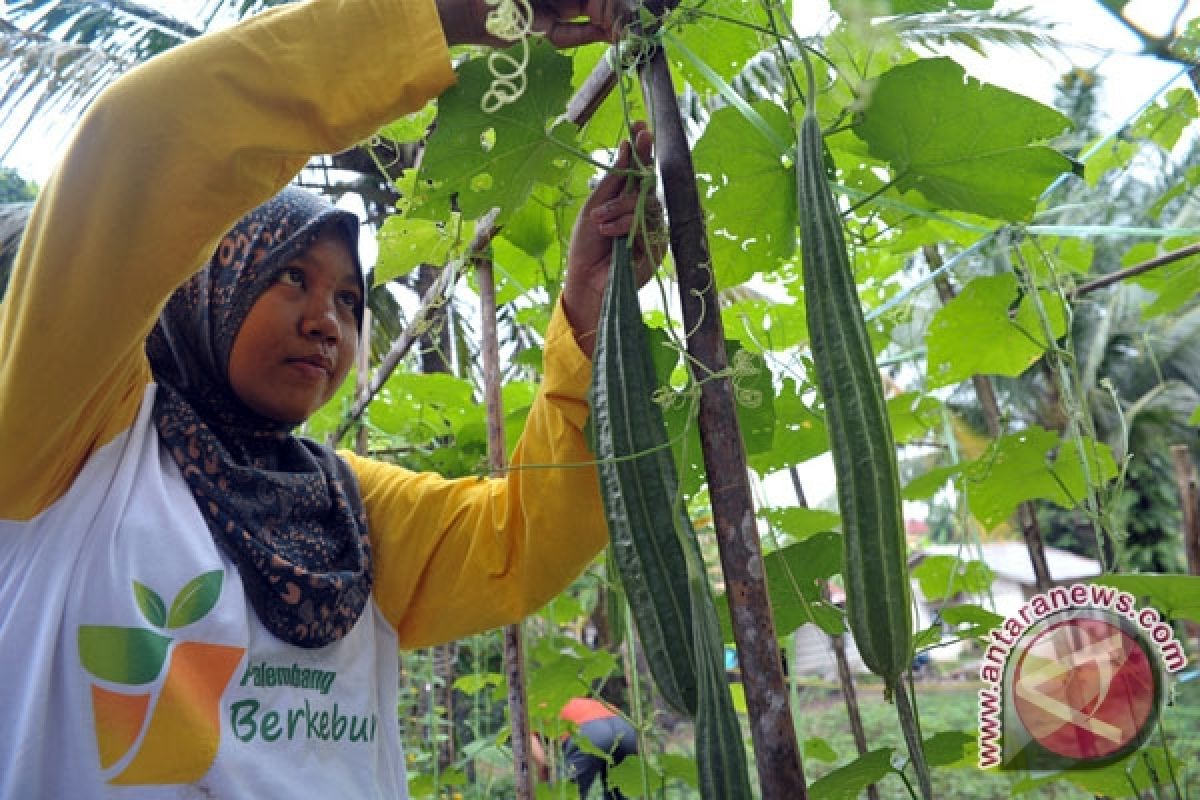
285,509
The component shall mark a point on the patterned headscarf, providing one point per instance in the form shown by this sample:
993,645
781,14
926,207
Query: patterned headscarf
286,509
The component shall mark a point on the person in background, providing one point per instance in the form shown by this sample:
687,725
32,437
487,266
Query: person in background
610,740
195,601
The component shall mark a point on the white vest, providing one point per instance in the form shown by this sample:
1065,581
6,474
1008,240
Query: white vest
132,665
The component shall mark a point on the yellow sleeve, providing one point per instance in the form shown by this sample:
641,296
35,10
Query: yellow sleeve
454,557
163,163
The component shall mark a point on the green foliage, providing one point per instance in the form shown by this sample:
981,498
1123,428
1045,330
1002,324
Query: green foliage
796,576
14,188
962,144
487,161
975,334
943,577
750,191
1034,463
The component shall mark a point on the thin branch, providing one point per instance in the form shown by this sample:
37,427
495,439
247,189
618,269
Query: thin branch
1135,270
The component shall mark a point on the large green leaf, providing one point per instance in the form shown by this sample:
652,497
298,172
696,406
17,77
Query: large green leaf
848,782
1033,463
795,575
800,523
406,242
942,577
754,402
1175,285
419,407
1164,121
1175,596
963,144
494,160
726,47
973,334
750,194
765,324
800,433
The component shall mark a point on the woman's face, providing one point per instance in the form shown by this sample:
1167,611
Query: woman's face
297,343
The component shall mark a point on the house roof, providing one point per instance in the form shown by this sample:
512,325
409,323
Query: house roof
1011,560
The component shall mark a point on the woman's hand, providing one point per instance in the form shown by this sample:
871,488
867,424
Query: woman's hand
612,211
464,21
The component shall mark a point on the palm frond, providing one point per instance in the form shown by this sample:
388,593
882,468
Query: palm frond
57,55
43,76
935,30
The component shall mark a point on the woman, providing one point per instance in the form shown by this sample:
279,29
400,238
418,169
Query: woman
194,602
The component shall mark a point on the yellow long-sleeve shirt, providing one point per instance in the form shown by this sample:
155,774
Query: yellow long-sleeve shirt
164,162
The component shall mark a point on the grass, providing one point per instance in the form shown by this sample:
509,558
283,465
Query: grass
952,706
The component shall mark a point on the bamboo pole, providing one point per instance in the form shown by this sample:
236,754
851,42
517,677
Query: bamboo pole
514,656
1189,506
780,773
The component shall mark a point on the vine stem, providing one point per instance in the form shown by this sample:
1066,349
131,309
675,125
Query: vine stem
912,738
781,776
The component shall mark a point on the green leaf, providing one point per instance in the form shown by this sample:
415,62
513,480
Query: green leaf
726,47
1165,120
422,406
942,577
927,485
1195,418
849,781
754,401
411,127
1113,155
912,414
1022,466
627,776
680,768
977,619
477,682
951,749
196,599
1174,284
130,656
800,433
766,325
406,242
801,523
750,194
963,144
1126,778
494,160
754,397
152,606
973,334
1174,596
794,578
817,749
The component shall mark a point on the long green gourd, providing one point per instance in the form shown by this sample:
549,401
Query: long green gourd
878,595
654,545
637,483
